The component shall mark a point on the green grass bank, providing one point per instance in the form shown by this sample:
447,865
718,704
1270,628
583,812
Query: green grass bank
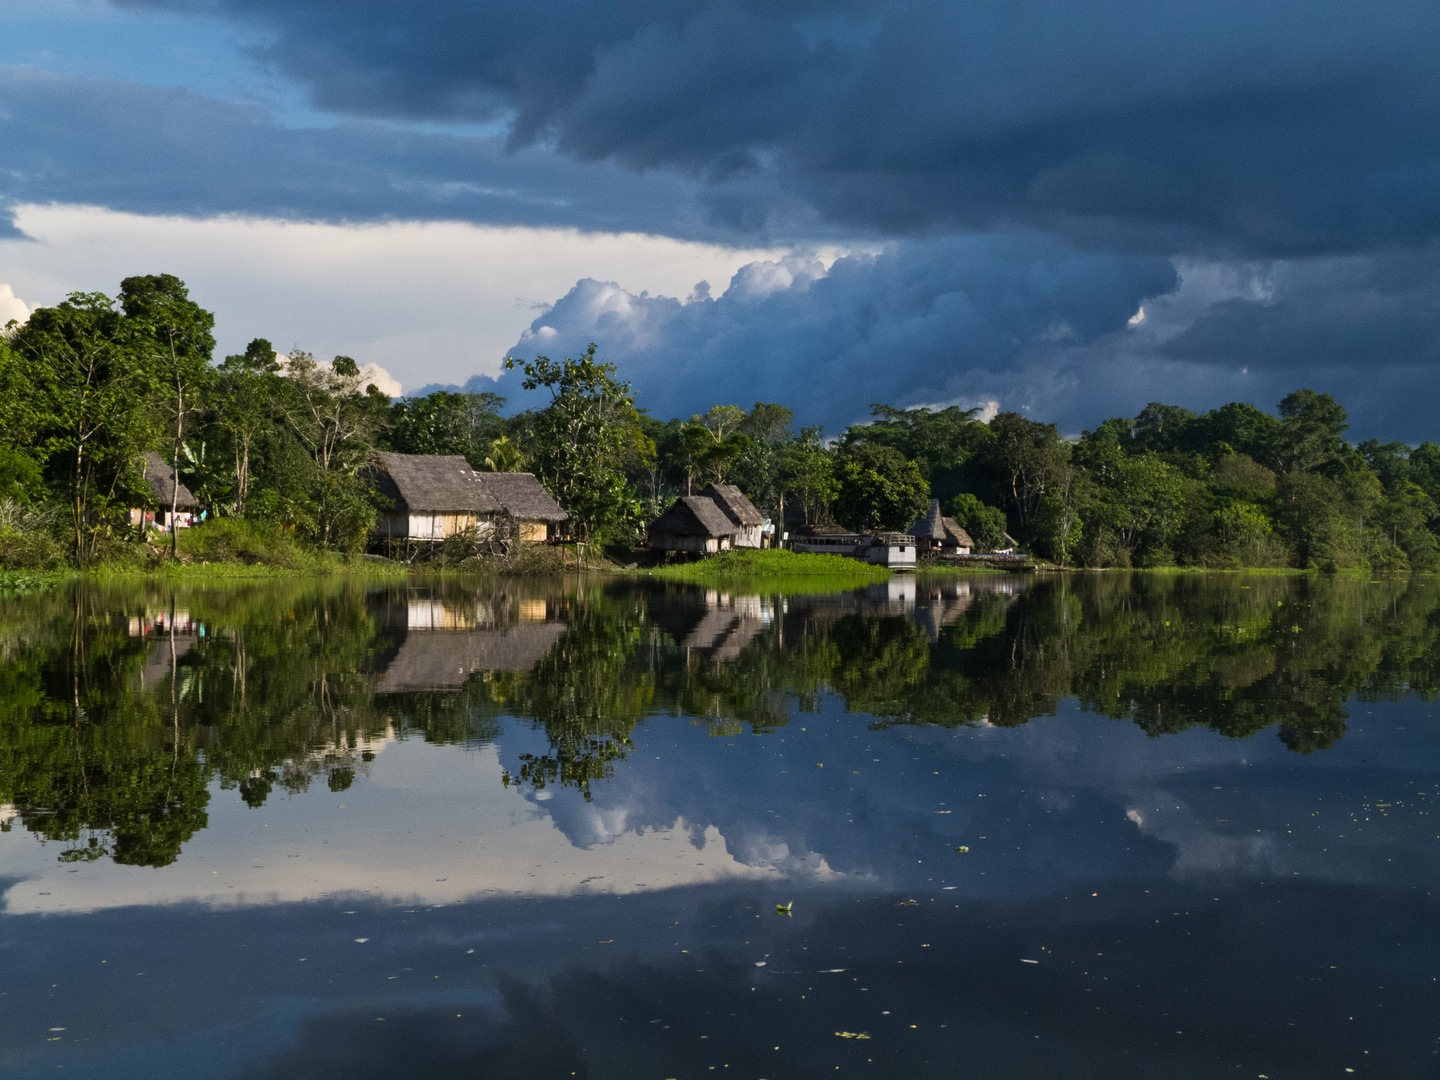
784,570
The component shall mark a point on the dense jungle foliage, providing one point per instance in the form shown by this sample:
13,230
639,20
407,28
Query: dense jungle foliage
282,442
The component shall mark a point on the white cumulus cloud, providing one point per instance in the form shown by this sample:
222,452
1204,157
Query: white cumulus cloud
11,306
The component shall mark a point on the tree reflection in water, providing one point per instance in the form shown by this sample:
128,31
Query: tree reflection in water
121,707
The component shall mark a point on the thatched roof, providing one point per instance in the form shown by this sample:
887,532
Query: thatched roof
694,515
522,496
958,536
433,484
943,530
162,481
445,659
737,507
931,526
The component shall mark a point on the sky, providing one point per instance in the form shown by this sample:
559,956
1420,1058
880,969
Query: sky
1067,210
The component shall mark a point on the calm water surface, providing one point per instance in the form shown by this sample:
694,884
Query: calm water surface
991,827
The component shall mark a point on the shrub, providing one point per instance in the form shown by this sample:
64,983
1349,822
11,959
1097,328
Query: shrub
239,540
28,539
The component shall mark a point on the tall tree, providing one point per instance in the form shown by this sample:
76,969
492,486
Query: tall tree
768,427
1311,433
447,423
1029,455
807,471
246,392
92,389
879,489
21,420
173,335
336,416
583,441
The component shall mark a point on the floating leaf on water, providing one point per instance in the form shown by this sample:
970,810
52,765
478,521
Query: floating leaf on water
962,848
784,909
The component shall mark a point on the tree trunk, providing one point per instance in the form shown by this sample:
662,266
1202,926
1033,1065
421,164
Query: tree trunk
175,461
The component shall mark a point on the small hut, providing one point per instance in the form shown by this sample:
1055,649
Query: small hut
935,532
162,483
525,500
430,497
693,523
747,520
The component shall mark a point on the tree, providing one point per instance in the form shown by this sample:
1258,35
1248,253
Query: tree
933,440
985,524
245,394
331,409
768,429
173,335
336,417
807,471
21,477
1029,455
444,422
585,438
91,388
1311,433
879,489
711,444
503,456
1059,523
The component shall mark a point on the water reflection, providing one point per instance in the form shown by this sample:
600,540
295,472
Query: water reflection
120,708
1094,826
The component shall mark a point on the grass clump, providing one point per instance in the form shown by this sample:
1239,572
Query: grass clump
774,566
249,543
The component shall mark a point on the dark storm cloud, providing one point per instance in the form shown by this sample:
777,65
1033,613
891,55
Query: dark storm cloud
1215,124
1377,311
143,149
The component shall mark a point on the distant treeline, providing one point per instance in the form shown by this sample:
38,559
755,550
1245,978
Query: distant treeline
88,386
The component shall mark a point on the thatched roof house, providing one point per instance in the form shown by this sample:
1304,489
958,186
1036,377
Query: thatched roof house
693,523
935,532
524,498
747,520
429,496
160,482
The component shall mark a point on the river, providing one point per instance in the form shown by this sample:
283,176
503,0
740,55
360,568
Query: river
1101,825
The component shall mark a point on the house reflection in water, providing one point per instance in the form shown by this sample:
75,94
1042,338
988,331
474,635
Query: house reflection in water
446,642
722,624
728,624
173,631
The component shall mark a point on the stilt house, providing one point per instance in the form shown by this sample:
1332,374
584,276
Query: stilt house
524,499
693,523
747,520
430,497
